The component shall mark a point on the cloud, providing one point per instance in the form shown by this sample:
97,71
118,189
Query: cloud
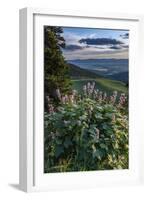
71,39
93,47
100,41
125,46
125,36
115,47
73,47
92,54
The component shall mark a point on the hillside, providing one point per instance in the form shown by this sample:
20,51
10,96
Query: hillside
123,76
79,73
102,84
81,77
102,67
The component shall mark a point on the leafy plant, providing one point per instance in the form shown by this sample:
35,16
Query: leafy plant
86,132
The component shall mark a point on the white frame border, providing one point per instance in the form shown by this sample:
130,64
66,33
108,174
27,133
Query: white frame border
27,88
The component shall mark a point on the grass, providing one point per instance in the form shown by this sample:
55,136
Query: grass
102,84
80,77
113,84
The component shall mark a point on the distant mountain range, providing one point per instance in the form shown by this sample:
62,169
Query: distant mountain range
115,69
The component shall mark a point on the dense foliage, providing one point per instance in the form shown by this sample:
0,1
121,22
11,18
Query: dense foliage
86,132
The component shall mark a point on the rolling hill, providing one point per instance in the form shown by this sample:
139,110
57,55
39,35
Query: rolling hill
123,76
80,77
78,73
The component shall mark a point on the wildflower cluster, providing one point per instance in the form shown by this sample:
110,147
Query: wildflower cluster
89,91
87,131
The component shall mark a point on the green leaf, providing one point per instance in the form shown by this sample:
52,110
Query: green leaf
98,154
98,116
58,141
105,126
58,151
103,146
109,115
67,142
109,132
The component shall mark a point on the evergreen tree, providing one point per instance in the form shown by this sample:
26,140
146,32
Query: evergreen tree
56,73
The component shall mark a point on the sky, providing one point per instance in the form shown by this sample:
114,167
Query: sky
94,43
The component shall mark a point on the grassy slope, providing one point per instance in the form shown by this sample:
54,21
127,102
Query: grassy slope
79,73
80,77
102,84
113,85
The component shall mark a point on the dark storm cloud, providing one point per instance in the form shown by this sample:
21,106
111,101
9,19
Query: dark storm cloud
100,41
125,36
125,46
73,47
116,47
